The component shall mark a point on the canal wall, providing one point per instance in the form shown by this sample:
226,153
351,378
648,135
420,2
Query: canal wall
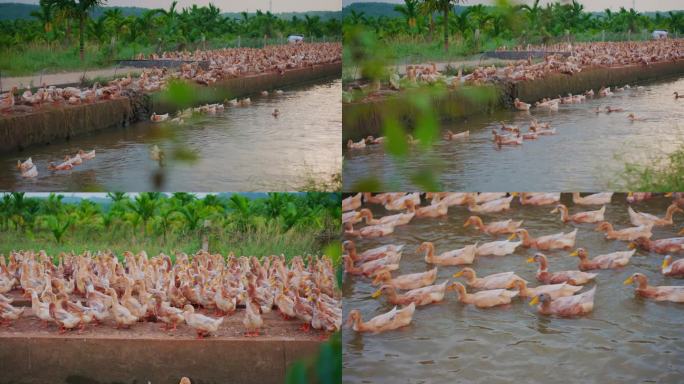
361,119
95,360
47,124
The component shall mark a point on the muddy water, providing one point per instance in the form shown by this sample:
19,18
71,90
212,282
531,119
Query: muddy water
625,339
588,153
242,149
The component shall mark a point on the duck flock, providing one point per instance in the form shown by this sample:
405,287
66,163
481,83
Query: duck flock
101,290
556,293
223,64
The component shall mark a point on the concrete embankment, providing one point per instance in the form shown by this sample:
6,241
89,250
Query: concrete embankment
100,360
48,123
361,119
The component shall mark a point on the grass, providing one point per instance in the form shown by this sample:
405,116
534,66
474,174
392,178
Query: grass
264,239
662,175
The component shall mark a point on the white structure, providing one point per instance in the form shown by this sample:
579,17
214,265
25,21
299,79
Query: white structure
292,39
659,35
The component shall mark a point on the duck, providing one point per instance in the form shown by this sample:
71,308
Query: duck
449,198
203,325
548,242
419,296
428,211
7,101
245,102
226,302
370,140
678,96
275,113
498,248
122,316
658,293
30,173
75,160
626,234
86,155
264,93
484,299
8,313
513,139
40,310
285,303
461,256
65,319
493,206
580,217
377,230
169,315
231,103
134,305
521,106
484,197
607,261
252,319
409,281
351,203
394,319
401,203
539,198
64,166
553,290
546,277
633,117
672,269
398,219
450,136
371,267
356,145
662,246
642,218
493,228
352,217
24,166
371,254
502,280
279,92
575,305
159,118
600,198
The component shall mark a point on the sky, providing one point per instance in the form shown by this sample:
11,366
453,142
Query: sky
227,5
591,5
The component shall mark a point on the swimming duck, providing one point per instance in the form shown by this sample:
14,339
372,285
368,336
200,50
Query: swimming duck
642,218
662,246
580,217
429,211
553,290
546,277
64,166
450,136
601,198
502,280
548,242
659,293
30,173
419,296
203,325
410,281
275,113
484,299
370,254
449,198
358,145
628,234
86,155
370,140
521,106
484,197
352,217
395,220
400,203
574,305
377,230
673,269
159,118
245,102
493,206
607,261
391,320
493,228
25,166
371,267
351,203
527,198
498,248
678,96
461,256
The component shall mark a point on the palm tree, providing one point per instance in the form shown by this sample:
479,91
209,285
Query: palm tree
445,7
312,25
144,206
45,14
410,12
428,8
532,12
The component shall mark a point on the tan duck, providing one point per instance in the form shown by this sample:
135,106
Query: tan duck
626,234
370,254
351,217
371,267
429,211
662,246
484,197
493,206
659,293
448,198
419,296
553,290
351,203
673,269
121,314
642,218
409,281
484,299
548,242
8,313
40,310
170,316
65,319
502,280
546,277
398,219
498,248
527,198
203,325
600,198
493,228
579,217
575,305
391,320
252,319
460,256
400,203
378,230
607,261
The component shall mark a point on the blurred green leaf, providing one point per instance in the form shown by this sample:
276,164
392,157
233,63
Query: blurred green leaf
396,143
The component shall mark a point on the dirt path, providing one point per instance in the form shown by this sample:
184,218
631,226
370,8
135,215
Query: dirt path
63,78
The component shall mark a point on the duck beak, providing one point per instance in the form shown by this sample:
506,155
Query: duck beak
628,281
514,194
681,232
530,259
669,194
376,294
632,245
666,262
512,236
466,224
458,274
575,253
534,301
554,210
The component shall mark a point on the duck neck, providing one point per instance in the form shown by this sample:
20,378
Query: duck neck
564,212
576,197
429,251
462,294
670,212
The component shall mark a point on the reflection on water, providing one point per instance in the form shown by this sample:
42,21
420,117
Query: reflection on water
243,149
588,152
625,339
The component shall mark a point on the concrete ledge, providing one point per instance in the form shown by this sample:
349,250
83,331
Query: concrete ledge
39,360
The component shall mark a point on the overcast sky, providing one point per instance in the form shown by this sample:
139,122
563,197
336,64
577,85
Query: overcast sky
227,5
592,5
